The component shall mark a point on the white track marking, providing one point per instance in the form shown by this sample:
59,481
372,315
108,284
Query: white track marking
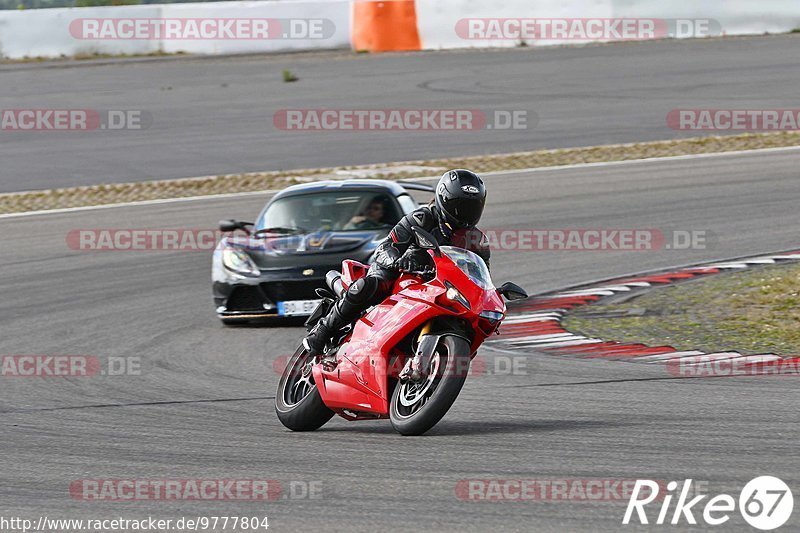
584,292
499,173
643,160
761,358
728,265
543,338
709,357
565,343
139,203
667,356
517,321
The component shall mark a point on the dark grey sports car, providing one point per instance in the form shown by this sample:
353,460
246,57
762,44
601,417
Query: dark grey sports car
273,268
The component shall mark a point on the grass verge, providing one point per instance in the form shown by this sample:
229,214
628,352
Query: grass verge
259,181
751,311
87,57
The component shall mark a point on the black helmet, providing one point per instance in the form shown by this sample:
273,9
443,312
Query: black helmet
460,196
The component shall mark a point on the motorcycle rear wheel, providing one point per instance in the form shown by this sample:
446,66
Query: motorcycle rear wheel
298,403
417,407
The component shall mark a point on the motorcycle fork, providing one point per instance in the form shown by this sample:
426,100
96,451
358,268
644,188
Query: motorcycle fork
426,346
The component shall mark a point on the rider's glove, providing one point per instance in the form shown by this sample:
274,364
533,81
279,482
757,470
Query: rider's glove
414,261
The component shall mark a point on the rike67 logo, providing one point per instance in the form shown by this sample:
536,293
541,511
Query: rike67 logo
766,503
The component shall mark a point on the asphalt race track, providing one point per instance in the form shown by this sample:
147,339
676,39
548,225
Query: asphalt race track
214,116
202,406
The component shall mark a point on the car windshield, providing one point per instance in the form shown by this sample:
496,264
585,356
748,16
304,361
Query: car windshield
329,211
470,264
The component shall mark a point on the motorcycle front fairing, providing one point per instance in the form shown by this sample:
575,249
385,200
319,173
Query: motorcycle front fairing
360,380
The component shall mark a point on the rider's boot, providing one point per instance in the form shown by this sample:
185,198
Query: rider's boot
342,314
346,310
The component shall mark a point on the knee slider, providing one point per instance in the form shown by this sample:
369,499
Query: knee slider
362,291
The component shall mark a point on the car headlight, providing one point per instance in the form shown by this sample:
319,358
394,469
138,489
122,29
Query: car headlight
238,261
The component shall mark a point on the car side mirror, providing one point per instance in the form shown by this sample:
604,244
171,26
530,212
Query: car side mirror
512,291
229,225
425,240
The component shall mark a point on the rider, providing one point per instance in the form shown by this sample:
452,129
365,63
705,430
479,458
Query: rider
451,219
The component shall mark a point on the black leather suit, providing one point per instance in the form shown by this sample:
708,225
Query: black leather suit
377,284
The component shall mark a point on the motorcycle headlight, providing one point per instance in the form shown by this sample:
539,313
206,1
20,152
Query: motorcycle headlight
238,261
493,316
455,295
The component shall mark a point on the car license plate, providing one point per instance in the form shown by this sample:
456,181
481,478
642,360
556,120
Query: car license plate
297,307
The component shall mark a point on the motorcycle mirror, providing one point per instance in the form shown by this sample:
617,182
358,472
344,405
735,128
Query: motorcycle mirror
425,240
512,291
229,225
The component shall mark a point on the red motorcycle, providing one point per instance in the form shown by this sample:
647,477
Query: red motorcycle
441,317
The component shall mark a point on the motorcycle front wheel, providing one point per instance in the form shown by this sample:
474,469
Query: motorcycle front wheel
416,407
297,402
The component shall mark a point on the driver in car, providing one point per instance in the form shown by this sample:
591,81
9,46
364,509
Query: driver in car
371,218
451,218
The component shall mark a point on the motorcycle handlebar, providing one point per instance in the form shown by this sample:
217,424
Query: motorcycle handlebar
422,273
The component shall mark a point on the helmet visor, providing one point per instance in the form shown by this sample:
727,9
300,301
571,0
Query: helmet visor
466,212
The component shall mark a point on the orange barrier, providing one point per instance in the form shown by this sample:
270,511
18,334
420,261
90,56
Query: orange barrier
385,26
